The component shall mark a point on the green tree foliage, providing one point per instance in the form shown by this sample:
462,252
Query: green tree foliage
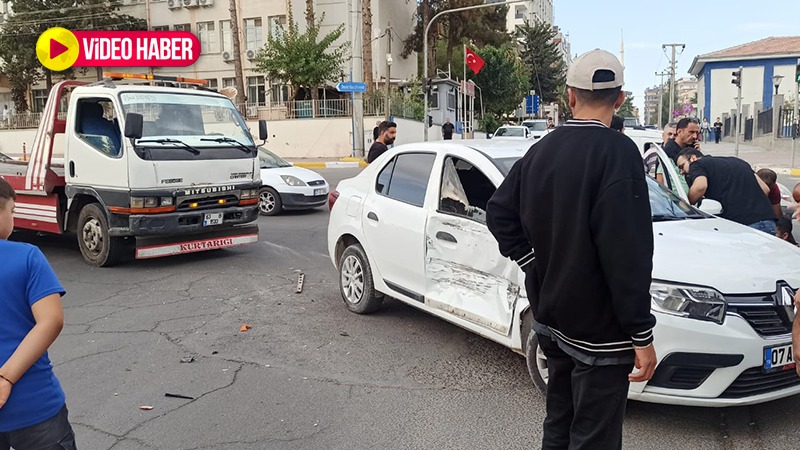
626,109
479,27
666,114
504,80
302,59
31,18
542,56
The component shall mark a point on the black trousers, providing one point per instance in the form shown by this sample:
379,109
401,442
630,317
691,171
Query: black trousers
585,404
54,433
717,136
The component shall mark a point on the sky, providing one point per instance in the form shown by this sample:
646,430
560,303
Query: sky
704,26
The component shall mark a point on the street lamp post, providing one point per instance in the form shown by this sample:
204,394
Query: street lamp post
425,50
776,81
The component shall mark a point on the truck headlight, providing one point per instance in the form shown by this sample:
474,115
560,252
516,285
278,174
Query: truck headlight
688,301
248,194
292,180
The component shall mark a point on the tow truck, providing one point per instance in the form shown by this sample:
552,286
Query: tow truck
154,164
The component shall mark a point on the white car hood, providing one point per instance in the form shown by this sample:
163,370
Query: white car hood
299,172
732,258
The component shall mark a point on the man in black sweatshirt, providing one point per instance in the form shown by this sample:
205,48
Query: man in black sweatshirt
574,213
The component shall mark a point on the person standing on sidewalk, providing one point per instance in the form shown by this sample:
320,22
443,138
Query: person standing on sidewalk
717,131
587,268
386,137
33,411
730,181
447,130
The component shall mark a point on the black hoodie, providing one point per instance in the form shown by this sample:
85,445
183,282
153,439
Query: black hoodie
579,198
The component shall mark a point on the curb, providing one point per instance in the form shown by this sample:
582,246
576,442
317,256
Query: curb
344,163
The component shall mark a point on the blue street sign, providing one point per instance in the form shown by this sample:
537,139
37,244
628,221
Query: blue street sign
532,104
351,86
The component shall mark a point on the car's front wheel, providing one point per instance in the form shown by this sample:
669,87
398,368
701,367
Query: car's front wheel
269,202
355,281
537,362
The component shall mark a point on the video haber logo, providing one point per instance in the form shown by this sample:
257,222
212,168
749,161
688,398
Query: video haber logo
59,49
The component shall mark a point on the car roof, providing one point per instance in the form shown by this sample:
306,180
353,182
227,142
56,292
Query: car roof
490,148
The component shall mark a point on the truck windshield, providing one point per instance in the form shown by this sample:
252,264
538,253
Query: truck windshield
190,118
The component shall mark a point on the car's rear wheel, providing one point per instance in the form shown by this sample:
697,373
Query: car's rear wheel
355,281
537,363
269,202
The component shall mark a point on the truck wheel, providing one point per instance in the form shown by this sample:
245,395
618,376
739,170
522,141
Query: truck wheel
269,202
98,248
355,282
537,363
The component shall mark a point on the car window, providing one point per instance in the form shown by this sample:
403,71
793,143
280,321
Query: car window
465,190
536,126
511,132
405,178
97,126
270,160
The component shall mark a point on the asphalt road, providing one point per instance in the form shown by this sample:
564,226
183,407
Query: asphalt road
309,374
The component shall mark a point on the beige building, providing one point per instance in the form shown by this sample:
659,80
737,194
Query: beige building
209,20
531,11
651,97
687,89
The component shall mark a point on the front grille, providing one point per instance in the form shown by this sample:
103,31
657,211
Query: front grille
316,183
763,318
208,202
689,377
754,382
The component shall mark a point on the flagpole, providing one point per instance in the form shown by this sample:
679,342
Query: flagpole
464,97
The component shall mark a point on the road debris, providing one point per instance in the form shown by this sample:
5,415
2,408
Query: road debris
146,408
178,396
344,333
300,280
188,359
245,327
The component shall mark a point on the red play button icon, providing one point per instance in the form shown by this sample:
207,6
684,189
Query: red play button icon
57,48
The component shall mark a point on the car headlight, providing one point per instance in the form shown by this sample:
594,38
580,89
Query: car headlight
292,180
688,301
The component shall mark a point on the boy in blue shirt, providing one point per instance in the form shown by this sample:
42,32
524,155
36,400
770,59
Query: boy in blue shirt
33,412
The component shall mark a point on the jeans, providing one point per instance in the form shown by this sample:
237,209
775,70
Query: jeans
767,226
585,404
54,433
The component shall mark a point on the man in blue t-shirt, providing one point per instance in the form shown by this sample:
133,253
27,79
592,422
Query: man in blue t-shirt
33,412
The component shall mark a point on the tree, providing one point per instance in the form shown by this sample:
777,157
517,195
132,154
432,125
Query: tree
626,109
541,54
503,79
366,16
485,26
31,18
666,114
304,60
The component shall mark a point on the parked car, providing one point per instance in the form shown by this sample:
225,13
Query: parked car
412,226
4,157
284,186
512,132
538,127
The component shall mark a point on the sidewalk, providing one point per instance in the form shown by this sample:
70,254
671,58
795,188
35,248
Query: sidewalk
760,158
328,163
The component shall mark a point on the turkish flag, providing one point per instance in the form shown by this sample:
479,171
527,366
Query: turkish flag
474,62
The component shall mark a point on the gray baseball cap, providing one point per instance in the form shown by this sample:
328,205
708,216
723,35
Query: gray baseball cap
582,74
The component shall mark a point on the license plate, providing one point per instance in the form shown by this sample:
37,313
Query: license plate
212,219
320,191
778,356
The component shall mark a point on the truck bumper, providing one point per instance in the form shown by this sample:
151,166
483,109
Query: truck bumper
156,246
188,222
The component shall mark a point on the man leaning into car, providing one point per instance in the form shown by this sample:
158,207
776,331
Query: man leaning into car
588,281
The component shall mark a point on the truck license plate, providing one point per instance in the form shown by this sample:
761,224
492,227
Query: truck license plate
320,191
777,357
212,219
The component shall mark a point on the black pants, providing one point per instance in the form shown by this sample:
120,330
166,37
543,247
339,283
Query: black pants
717,136
585,404
54,433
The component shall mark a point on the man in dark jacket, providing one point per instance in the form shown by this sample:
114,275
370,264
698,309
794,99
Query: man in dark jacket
686,132
574,213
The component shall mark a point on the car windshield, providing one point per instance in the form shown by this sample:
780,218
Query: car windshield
4,157
270,160
536,126
631,122
192,118
510,132
664,205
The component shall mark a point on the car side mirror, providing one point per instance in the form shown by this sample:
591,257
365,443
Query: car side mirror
262,130
134,124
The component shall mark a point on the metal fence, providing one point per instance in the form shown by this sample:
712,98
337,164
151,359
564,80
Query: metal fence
787,123
727,129
748,129
25,120
764,122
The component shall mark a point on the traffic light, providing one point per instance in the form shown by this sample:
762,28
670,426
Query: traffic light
797,71
430,121
737,77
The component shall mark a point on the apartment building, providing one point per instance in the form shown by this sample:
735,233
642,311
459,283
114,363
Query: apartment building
651,104
531,11
687,89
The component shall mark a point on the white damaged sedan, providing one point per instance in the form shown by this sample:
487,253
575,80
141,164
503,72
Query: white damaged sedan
284,186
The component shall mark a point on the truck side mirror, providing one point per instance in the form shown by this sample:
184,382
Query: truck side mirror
134,123
262,130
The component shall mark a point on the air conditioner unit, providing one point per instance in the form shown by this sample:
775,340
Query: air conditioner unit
173,4
190,3
252,111
251,54
227,56
206,2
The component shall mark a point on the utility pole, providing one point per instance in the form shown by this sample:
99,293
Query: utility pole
672,69
737,80
241,97
357,75
388,70
661,98
796,117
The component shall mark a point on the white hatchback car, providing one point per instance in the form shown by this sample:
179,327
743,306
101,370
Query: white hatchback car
512,132
412,226
284,186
